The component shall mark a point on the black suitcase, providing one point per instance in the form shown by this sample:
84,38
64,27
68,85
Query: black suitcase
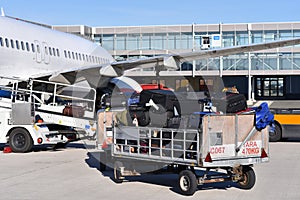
166,98
231,103
142,115
165,116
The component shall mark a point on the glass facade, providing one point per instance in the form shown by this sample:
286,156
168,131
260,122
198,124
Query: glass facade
136,42
184,41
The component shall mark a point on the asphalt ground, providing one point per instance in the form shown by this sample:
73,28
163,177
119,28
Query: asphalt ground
73,173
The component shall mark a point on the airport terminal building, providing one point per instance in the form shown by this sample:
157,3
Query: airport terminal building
265,75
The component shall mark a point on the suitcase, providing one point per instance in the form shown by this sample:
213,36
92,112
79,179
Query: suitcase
73,111
142,115
167,114
235,103
231,103
165,98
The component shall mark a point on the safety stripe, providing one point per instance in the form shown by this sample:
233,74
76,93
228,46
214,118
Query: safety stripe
290,119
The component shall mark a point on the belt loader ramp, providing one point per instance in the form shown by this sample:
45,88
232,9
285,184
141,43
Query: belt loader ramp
39,112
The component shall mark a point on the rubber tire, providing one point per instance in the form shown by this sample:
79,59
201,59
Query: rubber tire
103,161
117,173
187,182
277,135
249,178
20,140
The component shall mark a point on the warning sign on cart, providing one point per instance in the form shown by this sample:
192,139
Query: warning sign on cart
250,148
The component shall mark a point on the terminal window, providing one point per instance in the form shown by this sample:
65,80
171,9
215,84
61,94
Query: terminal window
270,87
206,84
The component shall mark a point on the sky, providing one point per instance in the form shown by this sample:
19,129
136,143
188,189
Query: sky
151,12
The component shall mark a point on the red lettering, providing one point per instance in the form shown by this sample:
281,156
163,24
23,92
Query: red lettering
250,151
217,150
251,144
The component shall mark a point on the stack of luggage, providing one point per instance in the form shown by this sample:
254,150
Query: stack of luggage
157,108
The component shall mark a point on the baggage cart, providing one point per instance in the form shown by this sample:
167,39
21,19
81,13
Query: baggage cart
232,143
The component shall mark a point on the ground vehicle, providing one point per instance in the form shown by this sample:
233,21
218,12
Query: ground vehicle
28,119
228,142
287,119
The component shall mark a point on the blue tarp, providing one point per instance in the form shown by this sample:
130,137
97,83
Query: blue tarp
5,93
263,116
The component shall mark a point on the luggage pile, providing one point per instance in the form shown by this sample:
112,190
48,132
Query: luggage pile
157,108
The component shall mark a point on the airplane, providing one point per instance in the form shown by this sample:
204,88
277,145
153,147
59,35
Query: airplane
28,50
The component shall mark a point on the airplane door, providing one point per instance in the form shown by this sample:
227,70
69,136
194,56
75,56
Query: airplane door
46,55
38,51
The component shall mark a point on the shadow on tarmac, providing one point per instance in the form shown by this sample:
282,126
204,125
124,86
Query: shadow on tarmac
55,148
40,148
166,180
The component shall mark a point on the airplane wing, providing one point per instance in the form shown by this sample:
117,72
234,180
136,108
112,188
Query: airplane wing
164,62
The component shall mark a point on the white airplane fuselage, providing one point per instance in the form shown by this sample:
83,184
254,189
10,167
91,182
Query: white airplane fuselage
28,50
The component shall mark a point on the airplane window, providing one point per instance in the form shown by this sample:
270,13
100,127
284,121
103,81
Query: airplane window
27,46
38,48
50,51
6,42
17,44
79,56
76,56
57,53
69,54
73,56
83,57
32,47
22,45
90,59
1,41
12,44
46,50
54,54
65,53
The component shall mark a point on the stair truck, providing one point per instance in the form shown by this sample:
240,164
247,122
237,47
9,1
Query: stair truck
231,142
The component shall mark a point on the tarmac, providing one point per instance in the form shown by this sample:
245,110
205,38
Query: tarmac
73,173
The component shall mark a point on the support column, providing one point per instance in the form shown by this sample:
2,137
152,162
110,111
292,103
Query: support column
193,49
250,91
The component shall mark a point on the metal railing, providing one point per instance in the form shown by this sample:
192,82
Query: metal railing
157,144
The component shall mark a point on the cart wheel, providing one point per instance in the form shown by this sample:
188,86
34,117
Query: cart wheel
103,161
20,140
276,135
187,182
117,172
248,178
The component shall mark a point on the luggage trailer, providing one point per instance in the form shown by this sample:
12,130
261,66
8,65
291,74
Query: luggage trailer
231,142
33,113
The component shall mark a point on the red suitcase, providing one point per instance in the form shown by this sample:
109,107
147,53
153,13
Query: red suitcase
73,111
